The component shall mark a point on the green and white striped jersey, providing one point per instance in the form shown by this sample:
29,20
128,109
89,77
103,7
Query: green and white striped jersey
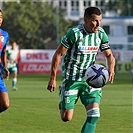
12,56
82,49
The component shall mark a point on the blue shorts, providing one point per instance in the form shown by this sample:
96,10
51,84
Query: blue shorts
2,86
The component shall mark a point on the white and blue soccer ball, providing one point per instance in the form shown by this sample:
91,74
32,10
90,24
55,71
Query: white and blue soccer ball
96,75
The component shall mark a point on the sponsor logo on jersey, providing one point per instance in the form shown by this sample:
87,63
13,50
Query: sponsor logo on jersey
88,49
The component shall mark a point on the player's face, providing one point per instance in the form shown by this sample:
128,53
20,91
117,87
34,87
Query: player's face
1,18
14,45
92,24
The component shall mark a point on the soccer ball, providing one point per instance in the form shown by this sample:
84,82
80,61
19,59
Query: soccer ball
96,75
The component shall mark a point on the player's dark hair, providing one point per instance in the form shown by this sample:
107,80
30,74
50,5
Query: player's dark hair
0,10
91,10
11,41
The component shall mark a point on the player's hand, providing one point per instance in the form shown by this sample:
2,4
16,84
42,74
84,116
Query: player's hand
6,74
51,85
111,76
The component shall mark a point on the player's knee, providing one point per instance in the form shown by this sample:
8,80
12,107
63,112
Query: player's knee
66,117
93,112
93,115
6,106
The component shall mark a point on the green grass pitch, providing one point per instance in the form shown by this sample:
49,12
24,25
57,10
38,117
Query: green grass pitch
35,110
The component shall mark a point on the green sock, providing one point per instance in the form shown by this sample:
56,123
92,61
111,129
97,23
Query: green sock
89,125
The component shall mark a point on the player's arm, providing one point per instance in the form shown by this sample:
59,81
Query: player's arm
17,58
105,48
111,63
4,62
61,50
7,60
66,43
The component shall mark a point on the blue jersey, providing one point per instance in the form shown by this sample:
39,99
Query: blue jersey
3,42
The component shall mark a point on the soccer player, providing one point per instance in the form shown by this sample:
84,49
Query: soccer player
4,98
80,46
12,60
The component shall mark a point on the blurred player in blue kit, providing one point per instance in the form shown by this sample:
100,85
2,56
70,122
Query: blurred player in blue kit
12,60
79,47
4,73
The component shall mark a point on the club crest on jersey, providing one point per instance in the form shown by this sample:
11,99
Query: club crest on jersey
88,49
98,40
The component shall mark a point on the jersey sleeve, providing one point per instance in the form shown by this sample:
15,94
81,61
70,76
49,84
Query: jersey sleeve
69,39
104,41
6,39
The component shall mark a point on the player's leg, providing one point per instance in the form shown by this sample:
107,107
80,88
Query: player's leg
14,79
69,95
93,113
91,100
4,101
66,115
4,98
